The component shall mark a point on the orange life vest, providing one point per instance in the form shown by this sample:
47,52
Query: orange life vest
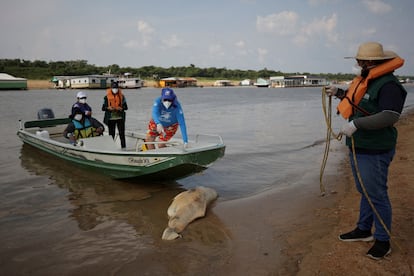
114,100
359,86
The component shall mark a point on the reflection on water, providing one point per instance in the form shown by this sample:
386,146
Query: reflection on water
116,220
97,198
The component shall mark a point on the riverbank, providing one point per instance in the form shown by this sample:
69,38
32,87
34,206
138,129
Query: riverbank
46,84
305,233
328,256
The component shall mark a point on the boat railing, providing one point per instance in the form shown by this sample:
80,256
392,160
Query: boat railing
198,137
46,123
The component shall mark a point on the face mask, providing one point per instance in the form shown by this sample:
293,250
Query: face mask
167,104
78,117
356,69
82,101
114,90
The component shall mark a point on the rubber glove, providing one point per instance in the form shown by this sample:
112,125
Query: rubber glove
331,90
348,129
160,128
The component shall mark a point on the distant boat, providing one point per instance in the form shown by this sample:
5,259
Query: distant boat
129,82
9,82
261,83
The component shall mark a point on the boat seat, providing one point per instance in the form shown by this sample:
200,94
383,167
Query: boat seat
104,142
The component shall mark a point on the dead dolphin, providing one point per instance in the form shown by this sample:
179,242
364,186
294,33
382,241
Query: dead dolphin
186,207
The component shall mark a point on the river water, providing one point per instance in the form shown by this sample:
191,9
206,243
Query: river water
58,219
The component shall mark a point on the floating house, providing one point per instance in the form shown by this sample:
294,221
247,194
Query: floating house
222,83
177,82
246,82
297,81
61,82
127,81
262,83
9,82
92,82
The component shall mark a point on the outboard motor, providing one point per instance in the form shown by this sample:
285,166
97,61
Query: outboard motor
45,113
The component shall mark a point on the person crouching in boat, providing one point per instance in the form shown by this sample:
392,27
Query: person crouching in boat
167,115
82,126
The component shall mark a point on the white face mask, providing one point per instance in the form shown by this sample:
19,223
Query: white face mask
82,101
78,117
356,69
167,104
114,90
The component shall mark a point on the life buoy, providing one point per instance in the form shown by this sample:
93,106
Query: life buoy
359,86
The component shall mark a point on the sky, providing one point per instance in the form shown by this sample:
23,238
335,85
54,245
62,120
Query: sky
295,36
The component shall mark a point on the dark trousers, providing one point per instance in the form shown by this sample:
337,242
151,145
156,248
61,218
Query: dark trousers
121,130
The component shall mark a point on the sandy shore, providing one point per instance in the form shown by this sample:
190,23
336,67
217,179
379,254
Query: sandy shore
277,235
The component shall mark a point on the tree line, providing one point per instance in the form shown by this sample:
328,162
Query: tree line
43,70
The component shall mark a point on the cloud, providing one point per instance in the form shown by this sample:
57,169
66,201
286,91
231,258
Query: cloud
283,23
241,48
216,50
369,31
144,27
172,41
262,54
377,6
143,38
324,27
240,44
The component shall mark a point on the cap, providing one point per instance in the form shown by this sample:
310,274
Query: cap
81,94
168,94
114,84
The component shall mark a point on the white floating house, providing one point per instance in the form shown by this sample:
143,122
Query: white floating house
297,81
92,81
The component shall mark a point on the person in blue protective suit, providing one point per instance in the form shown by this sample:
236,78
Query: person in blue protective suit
167,116
81,104
82,126
375,100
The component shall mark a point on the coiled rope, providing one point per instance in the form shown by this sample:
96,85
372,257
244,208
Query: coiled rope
327,111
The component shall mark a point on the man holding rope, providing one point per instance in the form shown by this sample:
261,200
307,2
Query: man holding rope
372,104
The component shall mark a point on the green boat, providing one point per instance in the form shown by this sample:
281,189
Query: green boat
104,154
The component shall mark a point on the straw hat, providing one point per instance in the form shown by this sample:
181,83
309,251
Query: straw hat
373,51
